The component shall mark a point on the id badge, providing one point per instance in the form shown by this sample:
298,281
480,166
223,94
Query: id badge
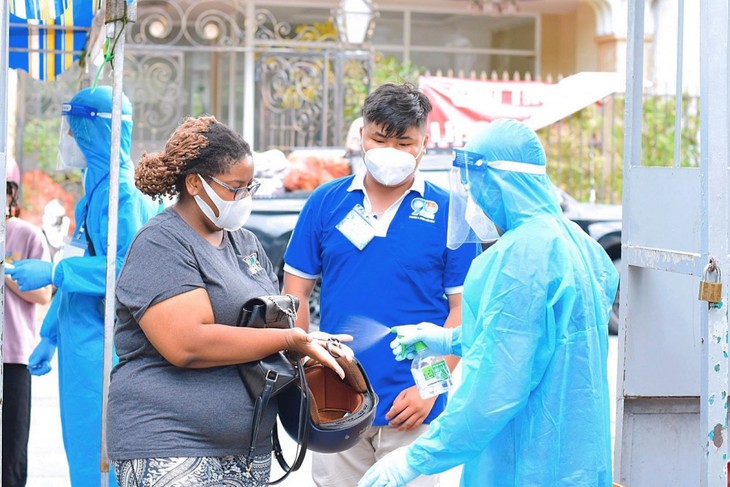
357,227
73,247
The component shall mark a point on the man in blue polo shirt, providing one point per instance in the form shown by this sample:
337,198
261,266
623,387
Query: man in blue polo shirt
378,241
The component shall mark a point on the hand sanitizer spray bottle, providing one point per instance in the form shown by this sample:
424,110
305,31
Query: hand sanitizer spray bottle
431,373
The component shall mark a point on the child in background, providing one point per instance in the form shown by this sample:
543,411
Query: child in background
20,334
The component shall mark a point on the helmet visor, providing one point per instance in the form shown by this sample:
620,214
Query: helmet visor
467,222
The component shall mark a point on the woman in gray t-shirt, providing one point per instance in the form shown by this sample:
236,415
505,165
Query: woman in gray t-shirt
177,406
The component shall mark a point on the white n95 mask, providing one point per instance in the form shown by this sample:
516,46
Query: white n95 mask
232,215
70,155
389,166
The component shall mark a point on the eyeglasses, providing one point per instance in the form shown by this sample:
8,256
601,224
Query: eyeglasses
243,191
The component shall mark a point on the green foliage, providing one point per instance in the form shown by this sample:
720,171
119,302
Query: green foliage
389,68
385,69
356,89
585,150
317,31
40,139
580,155
40,143
658,132
356,81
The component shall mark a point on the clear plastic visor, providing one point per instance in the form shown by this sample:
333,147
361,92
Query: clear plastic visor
467,222
70,155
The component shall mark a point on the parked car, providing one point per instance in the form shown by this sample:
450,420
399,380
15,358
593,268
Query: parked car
274,217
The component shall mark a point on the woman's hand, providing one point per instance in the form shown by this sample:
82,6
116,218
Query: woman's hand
321,346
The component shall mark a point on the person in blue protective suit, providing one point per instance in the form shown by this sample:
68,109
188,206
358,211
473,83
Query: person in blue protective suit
74,323
533,406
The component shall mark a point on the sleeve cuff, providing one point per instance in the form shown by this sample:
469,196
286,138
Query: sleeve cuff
456,341
298,273
57,274
454,290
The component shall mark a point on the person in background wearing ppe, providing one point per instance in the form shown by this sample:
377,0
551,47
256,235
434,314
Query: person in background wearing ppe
533,405
179,413
378,240
75,320
23,240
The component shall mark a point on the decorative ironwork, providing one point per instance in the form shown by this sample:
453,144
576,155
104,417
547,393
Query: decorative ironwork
154,82
270,29
292,88
188,23
221,26
157,25
186,57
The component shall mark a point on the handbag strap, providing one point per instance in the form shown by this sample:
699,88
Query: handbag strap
289,311
302,430
261,403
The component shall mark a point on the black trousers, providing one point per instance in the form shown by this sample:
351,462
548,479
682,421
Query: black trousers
16,424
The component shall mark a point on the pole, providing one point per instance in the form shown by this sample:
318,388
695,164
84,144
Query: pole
4,29
249,78
118,13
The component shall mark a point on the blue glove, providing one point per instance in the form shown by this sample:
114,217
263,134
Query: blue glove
39,362
437,338
31,274
390,471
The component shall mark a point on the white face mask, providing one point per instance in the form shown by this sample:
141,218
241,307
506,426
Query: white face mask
69,153
232,215
389,166
482,225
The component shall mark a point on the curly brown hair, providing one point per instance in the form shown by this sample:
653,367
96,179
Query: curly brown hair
199,145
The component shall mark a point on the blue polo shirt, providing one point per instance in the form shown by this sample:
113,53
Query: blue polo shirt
402,276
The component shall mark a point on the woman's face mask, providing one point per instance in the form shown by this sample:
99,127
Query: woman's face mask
232,215
389,166
70,155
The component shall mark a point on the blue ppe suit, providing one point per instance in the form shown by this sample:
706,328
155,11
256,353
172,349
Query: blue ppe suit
75,319
533,406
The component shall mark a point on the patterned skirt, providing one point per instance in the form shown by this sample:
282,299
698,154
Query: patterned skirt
229,471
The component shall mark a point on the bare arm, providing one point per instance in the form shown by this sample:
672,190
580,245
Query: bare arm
301,288
40,296
182,330
409,409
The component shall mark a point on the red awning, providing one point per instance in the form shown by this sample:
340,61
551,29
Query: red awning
461,105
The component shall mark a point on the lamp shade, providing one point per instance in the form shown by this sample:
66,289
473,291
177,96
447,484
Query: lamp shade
355,20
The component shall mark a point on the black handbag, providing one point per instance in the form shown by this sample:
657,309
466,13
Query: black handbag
267,377
271,311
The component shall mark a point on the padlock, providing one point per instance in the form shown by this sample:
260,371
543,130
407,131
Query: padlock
711,291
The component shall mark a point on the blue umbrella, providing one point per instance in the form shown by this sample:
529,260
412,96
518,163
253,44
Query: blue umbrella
48,36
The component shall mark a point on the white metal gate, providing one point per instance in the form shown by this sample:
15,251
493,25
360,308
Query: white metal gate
673,374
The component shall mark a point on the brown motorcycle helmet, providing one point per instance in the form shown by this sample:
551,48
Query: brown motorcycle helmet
340,410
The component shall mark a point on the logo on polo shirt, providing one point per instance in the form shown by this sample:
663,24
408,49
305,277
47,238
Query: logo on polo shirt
424,209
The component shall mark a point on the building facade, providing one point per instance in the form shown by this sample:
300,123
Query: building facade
277,70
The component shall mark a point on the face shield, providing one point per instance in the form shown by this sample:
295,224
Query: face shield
70,155
467,221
